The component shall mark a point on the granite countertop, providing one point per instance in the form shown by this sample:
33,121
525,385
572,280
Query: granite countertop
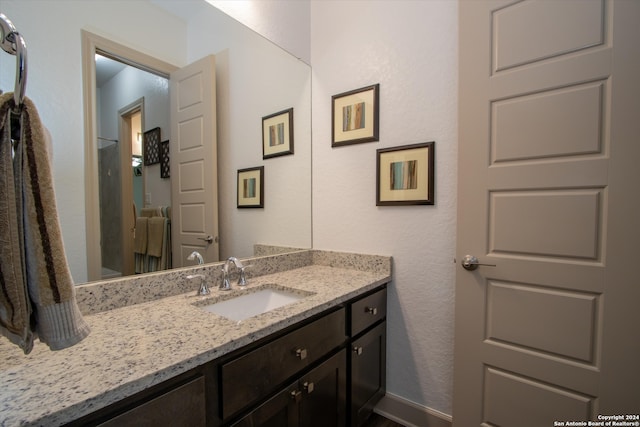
134,347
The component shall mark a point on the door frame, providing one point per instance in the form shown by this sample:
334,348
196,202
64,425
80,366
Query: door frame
92,44
126,184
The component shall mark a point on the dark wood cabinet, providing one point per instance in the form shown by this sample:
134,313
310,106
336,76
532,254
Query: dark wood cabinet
368,372
250,377
184,405
326,371
367,311
177,402
367,364
324,394
278,411
316,399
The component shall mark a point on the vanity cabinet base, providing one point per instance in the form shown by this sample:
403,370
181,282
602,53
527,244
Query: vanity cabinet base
329,370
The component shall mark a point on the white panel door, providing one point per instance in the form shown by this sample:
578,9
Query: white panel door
193,152
549,141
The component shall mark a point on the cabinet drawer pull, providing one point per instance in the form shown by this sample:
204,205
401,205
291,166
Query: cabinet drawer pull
296,395
371,310
308,387
357,350
301,353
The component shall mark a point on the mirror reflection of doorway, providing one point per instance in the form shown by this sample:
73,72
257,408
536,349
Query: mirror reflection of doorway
126,186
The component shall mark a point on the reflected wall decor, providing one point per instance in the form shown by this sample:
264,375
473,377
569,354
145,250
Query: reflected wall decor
277,134
151,146
405,175
165,160
355,116
251,187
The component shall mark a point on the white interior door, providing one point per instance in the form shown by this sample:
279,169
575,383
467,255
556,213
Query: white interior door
549,118
193,152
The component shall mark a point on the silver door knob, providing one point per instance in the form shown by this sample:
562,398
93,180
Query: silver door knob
469,262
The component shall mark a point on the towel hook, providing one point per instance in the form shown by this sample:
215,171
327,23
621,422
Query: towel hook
13,43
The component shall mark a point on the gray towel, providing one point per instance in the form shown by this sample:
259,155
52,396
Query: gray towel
38,295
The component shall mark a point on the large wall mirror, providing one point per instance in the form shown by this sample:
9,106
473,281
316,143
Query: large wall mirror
254,79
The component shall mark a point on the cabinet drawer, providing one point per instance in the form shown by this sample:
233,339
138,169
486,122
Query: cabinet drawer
367,311
258,372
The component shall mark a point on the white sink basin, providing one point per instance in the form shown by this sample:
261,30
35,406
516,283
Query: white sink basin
252,302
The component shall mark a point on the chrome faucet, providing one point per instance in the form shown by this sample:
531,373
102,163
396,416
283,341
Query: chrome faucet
196,255
242,280
204,289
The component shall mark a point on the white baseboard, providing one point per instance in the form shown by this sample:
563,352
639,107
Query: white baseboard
410,414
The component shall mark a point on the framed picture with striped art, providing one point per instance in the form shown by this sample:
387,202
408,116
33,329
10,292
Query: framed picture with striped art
251,187
277,134
355,116
405,175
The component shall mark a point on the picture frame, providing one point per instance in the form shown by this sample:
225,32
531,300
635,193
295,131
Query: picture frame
405,175
277,134
165,161
151,146
251,187
355,116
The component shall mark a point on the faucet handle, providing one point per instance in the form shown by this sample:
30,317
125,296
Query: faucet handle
203,290
225,285
242,280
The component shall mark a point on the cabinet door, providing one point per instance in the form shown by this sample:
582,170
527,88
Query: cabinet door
181,406
324,394
318,399
279,411
368,372
253,376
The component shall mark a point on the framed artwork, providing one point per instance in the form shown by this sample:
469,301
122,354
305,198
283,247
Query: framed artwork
151,146
355,116
165,171
251,187
277,134
405,175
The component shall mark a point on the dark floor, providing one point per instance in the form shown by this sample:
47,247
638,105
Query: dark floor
376,420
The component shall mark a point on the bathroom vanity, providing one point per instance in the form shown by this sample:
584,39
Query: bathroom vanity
317,361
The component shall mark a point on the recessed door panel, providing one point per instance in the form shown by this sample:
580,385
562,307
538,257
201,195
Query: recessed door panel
542,319
190,91
559,223
192,218
551,124
513,400
191,176
191,133
530,31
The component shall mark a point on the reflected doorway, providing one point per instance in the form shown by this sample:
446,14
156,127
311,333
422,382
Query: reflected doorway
121,187
126,186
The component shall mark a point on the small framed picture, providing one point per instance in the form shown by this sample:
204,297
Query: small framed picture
405,175
251,187
355,116
151,146
277,134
